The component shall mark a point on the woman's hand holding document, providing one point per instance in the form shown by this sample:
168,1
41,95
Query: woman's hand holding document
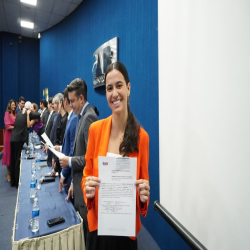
90,186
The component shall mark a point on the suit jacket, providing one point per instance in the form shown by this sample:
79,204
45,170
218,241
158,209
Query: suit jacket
68,144
45,116
20,130
60,130
57,118
99,133
17,109
56,123
79,150
50,124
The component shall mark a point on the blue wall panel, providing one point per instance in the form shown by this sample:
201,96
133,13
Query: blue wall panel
66,52
10,69
19,68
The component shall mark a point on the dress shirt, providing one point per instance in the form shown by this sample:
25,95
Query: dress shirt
42,111
50,114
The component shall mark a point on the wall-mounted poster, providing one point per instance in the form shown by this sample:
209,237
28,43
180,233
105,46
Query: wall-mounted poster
103,56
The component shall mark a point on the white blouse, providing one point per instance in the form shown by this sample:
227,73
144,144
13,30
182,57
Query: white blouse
113,155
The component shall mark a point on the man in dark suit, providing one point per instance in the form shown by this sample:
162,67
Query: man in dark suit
77,91
68,143
50,120
18,137
56,119
44,111
20,104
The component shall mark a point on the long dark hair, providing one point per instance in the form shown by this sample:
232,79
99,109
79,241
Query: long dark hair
131,134
8,109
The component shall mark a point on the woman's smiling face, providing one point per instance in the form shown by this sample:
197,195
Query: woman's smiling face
117,91
13,106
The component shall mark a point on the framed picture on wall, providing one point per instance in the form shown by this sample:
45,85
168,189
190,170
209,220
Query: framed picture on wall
103,56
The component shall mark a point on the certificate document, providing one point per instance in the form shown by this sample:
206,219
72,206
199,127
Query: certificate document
117,196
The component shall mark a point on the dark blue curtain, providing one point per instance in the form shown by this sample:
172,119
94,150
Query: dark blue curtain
20,67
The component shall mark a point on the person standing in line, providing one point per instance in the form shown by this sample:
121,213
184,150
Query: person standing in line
18,137
67,145
60,131
50,120
77,91
20,104
57,119
119,135
44,111
9,121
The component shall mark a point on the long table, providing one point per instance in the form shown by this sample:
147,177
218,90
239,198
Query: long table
52,204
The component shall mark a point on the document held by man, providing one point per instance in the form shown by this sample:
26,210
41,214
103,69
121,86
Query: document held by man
117,196
47,140
51,147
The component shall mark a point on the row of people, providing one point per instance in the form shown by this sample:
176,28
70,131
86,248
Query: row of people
9,120
118,135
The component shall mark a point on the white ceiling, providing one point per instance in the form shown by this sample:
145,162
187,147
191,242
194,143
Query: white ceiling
46,14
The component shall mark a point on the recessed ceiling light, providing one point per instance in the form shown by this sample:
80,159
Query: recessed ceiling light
32,2
27,24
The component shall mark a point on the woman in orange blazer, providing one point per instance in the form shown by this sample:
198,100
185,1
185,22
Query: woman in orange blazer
118,135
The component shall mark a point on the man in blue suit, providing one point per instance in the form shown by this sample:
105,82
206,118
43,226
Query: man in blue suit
68,143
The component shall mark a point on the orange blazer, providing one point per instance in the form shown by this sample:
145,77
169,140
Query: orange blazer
99,133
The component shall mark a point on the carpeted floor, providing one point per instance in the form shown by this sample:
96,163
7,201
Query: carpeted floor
8,197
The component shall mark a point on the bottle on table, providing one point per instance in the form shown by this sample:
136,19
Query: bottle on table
33,170
31,149
31,144
33,187
33,167
35,216
38,158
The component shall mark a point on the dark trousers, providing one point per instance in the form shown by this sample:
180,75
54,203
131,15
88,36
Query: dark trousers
16,149
49,159
95,242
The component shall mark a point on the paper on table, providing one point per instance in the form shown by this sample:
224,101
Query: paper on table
58,154
47,140
117,196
